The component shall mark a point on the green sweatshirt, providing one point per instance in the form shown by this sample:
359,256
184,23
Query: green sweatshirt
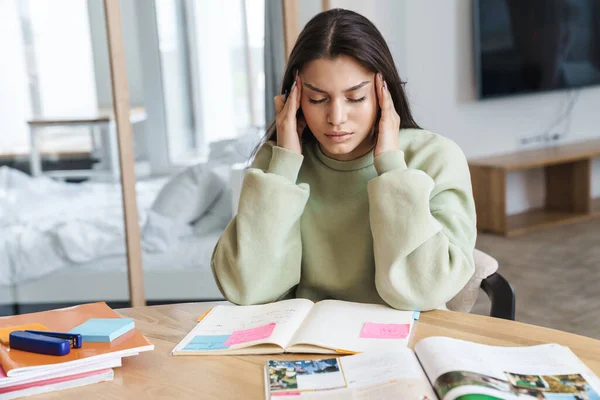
398,229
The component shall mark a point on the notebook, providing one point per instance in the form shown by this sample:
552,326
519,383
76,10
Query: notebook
55,384
5,332
6,381
103,329
298,326
16,362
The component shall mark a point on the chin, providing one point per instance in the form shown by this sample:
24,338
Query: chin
338,148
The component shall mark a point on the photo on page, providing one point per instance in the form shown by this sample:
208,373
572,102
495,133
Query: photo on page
555,387
305,375
550,387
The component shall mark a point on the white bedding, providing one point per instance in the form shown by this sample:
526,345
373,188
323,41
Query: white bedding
47,225
188,253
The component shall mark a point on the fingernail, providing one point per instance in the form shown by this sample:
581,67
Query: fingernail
294,85
385,85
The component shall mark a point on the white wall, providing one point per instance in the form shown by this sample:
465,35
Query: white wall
431,41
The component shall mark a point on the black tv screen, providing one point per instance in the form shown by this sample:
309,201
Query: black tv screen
524,46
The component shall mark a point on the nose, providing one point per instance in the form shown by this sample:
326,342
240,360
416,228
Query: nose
336,114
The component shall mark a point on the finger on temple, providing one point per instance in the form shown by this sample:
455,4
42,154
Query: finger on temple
279,103
298,91
379,90
293,97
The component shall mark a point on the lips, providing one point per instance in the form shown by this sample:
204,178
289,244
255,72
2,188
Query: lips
337,133
338,136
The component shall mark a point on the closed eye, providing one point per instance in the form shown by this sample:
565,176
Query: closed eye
350,100
358,100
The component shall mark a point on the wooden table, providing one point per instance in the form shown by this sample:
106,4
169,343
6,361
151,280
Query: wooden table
157,375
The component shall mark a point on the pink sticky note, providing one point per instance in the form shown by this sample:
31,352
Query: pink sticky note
248,335
372,330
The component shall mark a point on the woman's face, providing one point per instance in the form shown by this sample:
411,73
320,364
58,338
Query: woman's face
340,106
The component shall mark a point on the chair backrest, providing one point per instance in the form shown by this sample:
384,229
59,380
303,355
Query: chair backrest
485,265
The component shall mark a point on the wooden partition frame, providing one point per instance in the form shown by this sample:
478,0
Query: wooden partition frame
120,96
290,24
121,107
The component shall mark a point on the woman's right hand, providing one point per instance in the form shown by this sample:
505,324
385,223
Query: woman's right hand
289,129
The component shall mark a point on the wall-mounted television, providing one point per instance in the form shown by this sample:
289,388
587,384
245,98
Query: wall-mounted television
525,46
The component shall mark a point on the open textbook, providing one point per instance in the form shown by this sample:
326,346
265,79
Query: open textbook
298,326
439,368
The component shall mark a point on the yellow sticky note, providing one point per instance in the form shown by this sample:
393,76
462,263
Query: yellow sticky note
5,332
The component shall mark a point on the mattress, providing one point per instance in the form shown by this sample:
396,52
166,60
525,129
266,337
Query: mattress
65,242
48,226
85,285
7,295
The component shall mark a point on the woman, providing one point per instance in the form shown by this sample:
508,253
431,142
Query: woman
348,198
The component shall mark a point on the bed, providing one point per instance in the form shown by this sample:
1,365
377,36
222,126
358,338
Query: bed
63,243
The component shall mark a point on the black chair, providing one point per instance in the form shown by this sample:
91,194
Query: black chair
501,295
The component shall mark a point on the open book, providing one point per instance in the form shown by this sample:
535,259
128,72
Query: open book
298,326
439,368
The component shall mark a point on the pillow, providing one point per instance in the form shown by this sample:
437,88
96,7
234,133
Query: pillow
159,233
485,265
232,151
217,217
189,194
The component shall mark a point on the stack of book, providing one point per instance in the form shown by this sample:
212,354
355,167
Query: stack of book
105,343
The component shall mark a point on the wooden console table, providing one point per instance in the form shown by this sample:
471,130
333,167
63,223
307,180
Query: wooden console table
568,170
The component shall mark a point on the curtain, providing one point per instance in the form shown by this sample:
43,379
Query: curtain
274,55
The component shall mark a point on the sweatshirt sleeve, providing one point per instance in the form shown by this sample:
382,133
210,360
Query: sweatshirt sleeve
423,224
257,259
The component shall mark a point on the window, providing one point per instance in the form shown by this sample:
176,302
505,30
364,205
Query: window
49,45
212,71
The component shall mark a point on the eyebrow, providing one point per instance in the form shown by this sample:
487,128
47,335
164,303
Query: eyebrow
353,88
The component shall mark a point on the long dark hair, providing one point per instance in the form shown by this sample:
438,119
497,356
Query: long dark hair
340,32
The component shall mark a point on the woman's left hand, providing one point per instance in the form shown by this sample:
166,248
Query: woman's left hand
389,123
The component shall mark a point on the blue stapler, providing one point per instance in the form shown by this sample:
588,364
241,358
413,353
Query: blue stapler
42,342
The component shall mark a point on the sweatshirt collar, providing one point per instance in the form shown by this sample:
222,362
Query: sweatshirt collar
352,165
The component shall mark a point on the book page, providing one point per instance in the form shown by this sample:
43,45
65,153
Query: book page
336,324
273,323
385,391
457,367
386,374
398,365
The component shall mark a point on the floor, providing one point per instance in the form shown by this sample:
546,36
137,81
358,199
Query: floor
555,274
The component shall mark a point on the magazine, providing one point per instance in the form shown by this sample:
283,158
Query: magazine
439,368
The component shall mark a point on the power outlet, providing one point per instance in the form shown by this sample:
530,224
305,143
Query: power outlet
541,139
533,140
556,136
